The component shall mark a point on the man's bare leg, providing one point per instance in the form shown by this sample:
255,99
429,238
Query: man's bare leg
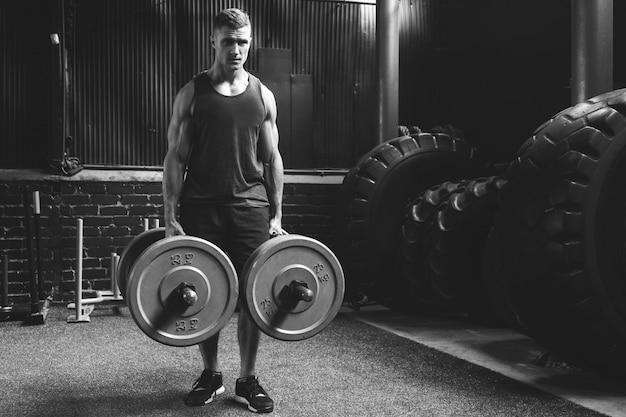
208,350
249,338
209,385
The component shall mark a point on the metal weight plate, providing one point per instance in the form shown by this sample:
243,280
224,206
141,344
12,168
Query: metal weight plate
182,290
293,287
132,251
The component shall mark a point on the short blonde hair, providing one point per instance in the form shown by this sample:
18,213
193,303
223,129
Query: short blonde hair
232,18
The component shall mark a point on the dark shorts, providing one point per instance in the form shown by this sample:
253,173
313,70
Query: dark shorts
238,231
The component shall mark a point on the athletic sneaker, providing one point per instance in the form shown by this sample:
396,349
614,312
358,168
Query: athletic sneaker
249,392
205,388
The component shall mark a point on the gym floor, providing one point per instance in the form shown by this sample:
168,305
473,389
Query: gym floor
373,362
506,352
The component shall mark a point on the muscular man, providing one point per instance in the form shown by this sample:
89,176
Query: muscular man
224,168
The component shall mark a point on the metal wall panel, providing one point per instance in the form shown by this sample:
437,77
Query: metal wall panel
127,60
420,64
130,58
470,63
25,84
122,68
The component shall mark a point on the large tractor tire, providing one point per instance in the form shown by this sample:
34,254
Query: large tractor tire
562,224
420,219
374,195
456,250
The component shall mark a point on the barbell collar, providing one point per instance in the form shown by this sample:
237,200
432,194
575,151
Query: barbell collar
297,291
187,294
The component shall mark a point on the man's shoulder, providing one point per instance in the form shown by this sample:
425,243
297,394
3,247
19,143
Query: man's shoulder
203,73
254,81
185,95
200,78
266,93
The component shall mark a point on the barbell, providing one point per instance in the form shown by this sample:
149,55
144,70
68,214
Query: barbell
181,290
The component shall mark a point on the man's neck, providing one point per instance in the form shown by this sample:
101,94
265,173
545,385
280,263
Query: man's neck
228,82
224,75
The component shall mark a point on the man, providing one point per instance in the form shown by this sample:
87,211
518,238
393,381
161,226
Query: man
224,168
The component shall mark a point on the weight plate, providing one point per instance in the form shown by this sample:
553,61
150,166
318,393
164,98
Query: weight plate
132,251
273,267
176,269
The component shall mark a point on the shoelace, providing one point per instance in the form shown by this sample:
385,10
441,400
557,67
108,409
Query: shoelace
206,381
195,384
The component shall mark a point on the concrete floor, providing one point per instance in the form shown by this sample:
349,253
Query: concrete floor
504,351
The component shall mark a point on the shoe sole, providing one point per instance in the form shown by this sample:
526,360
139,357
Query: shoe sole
209,400
242,400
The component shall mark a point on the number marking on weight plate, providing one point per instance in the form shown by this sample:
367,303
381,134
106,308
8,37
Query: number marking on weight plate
266,304
271,313
178,259
319,272
184,325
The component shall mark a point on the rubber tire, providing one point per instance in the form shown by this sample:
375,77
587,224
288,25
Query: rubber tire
562,227
374,195
456,250
420,219
494,282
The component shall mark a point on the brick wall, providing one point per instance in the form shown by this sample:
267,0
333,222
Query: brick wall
113,211
13,234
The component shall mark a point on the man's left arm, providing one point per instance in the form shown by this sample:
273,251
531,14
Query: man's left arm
272,163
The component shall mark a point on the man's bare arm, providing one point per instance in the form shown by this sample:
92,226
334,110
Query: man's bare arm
179,135
273,163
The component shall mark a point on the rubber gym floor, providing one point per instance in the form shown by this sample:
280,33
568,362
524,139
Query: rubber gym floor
374,362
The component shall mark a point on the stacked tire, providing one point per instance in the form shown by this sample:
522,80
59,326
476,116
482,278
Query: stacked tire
541,248
374,198
419,221
457,248
562,233
443,248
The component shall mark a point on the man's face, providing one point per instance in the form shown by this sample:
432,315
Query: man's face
232,46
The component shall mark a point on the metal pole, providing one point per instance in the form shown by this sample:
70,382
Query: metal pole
38,244
81,315
34,294
388,53
592,48
4,304
115,260
79,270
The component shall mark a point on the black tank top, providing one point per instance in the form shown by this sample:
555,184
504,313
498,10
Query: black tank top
223,166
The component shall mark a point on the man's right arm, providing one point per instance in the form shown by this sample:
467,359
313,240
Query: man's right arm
179,136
